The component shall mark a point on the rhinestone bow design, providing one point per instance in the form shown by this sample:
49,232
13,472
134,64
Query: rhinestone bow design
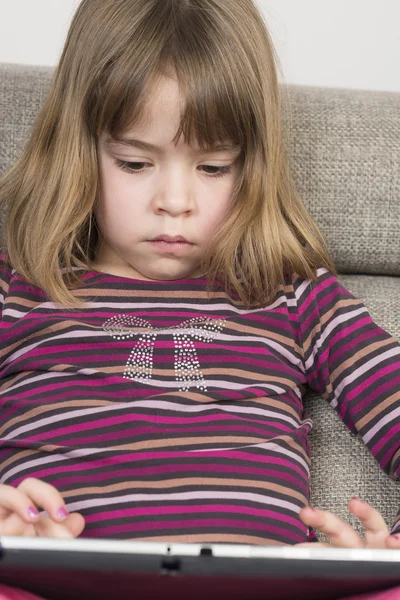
187,366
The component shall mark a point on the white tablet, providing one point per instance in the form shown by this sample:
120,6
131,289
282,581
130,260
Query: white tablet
117,570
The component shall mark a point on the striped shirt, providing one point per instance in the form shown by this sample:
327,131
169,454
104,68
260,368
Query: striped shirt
162,413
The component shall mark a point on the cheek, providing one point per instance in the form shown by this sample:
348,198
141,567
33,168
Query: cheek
118,198
217,212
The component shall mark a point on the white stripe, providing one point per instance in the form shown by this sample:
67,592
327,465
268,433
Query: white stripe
158,404
350,379
392,416
267,446
251,497
328,330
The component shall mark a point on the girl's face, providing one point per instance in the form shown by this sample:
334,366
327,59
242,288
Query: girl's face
171,191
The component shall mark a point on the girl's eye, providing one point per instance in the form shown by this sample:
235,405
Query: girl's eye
129,167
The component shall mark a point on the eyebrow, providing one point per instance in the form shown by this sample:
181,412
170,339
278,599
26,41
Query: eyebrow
141,145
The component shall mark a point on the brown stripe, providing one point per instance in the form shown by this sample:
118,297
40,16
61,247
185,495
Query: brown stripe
17,377
183,295
253,330
375,410
167,445
44,408
18,455
362,353
170,443
179,482
251,376
326,317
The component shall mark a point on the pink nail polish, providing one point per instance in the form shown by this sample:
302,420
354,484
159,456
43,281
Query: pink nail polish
396,537
62,513
32,512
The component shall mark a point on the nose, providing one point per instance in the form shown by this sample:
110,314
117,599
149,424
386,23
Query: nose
175,194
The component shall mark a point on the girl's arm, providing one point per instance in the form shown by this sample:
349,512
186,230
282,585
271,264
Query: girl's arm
354,364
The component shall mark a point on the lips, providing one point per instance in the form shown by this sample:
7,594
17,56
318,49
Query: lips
172,240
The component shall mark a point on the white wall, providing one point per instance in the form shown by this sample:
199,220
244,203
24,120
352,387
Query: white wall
333,43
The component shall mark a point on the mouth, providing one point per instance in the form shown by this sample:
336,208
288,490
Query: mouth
171,240
164,244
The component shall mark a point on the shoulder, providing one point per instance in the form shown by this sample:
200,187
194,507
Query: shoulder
324,289
302,284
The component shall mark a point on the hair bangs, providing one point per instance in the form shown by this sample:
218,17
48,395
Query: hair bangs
208,117
215,109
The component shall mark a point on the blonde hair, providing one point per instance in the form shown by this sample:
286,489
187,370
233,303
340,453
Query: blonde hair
115,53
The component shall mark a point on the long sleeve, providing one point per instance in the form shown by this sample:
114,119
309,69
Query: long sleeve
355,365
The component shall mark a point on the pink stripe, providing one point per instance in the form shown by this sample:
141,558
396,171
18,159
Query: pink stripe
269,430
341,335
173,470
319,312
193,510
126,435
203,523
179,420
141,309
63,350
120,396
390,435
329,300
312,294
325,359
358,342
88,356
114,460
195,420
99,383
265,319
379,390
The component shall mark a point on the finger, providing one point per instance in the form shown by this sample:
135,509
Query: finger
71,527
15,526
76,524
339,532
393,542
45,495
376,530
13,500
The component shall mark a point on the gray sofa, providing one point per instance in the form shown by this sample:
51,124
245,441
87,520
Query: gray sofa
344,148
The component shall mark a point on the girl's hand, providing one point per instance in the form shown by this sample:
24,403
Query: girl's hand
343,535
18,507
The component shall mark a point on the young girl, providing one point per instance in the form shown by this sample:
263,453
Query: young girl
166,297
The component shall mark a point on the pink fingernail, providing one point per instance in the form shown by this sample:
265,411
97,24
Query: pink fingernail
396,537
62,513
32,512
357,498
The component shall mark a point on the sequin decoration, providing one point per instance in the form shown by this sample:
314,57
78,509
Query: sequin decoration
186,363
